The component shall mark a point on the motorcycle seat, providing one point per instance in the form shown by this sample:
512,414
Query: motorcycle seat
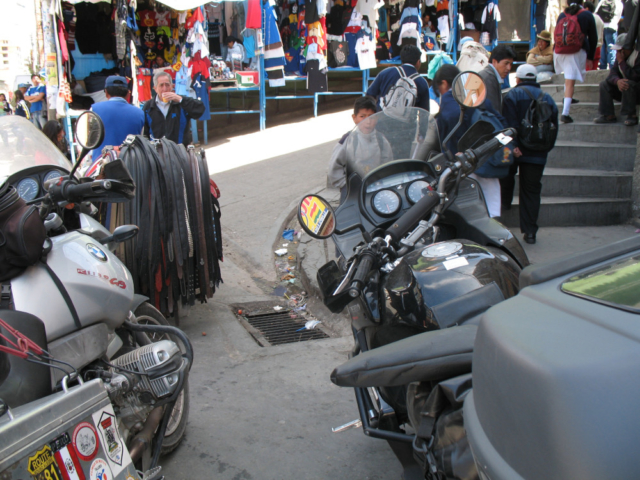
429,356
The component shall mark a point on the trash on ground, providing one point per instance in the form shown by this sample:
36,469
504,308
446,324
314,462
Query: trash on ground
281,252
285,244
288,276
288,234
277,308
204,334
310,325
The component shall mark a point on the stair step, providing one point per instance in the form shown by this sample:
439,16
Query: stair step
574,182
592,156
588,111
585,92
605,133
573,212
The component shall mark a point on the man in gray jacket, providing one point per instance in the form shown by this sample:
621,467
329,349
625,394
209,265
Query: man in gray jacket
500,62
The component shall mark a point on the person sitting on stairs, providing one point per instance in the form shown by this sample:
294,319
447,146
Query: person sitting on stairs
622,84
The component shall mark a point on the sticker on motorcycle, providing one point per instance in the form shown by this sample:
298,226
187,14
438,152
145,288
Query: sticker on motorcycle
85,441
42,466
113,445
314,213
100,470
67,459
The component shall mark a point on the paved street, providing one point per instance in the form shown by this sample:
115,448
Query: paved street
266,413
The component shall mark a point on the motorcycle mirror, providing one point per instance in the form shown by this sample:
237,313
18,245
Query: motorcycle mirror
120,234
316,217
89,133
477,131
469,90
89,130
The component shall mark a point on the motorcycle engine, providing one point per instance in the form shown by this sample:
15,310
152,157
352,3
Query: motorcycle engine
159,367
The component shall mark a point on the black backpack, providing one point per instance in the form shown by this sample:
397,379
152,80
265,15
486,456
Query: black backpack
607,10
537,132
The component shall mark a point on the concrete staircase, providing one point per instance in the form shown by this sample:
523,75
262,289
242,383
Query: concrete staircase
588,177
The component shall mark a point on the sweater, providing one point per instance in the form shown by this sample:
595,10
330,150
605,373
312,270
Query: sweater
536,57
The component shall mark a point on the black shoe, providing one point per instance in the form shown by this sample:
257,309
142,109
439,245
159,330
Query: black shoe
504,206
530,238
566,119
574,101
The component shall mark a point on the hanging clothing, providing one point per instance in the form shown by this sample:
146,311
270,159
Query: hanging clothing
368,8
201,86
490,19
316,77
273,52
254,14
366,51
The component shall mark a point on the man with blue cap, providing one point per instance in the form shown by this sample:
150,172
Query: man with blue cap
119,117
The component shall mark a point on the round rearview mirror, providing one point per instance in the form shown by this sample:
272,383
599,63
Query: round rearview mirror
89,130
316,217
469,89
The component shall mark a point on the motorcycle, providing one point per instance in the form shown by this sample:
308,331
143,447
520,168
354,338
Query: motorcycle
77,303
418,253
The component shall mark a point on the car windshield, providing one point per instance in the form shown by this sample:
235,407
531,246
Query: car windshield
383,138
22,146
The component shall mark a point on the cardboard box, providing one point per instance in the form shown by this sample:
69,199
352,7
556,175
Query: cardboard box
247,79
475,34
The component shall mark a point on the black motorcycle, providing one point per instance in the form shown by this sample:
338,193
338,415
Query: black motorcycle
418,253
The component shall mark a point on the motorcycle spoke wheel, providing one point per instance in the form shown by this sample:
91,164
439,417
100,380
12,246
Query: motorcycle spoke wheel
176,415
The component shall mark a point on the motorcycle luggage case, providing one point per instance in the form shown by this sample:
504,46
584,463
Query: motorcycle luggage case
67,435
555,375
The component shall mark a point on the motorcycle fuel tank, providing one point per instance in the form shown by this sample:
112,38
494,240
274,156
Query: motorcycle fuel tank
99,286
449,282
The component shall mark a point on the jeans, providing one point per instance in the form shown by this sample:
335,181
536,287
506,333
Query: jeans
38,119
607,55
609,93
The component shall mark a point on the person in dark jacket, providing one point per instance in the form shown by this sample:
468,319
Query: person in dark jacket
575,65
622,84
529,163
410,57
168,114
493,75
120,118
447,119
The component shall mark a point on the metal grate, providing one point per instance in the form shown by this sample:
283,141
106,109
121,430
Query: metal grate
280,328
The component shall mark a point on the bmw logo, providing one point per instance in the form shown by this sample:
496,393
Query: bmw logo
96,252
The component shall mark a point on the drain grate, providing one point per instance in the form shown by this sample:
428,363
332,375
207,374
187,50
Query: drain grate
280,328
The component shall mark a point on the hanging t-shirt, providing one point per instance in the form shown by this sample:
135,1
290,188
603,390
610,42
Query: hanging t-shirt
292,57
368,8
200,85
183,77
144,87
366,51
351,39
316,77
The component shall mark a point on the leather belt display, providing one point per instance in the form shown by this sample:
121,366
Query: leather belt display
175,257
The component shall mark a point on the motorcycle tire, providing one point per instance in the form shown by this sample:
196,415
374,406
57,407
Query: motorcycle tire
178,423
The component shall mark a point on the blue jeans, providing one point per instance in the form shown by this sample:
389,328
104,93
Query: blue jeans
37,119
607,55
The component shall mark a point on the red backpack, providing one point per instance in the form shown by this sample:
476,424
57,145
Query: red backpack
568,36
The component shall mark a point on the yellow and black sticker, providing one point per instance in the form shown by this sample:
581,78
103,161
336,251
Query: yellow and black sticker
43,465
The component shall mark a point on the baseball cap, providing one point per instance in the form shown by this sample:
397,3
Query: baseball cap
24,85
619,42
116,81
526,72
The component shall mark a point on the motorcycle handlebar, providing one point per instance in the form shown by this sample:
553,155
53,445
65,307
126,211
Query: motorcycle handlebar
412,216
362,270
71,192
492,145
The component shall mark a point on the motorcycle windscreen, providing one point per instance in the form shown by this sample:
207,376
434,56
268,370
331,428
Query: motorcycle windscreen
383,138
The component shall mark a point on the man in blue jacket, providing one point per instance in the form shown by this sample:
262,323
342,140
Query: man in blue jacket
410,57
530,163
120,119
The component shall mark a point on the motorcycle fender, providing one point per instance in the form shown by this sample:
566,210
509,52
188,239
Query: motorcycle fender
137,301
79,348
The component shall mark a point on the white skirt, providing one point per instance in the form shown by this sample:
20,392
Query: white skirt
574,65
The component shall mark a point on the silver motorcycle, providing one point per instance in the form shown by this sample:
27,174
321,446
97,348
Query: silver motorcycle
78,300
